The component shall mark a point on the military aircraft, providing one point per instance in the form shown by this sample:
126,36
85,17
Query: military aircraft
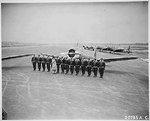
74,54
88,48
112,50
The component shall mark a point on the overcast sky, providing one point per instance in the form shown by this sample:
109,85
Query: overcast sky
72,22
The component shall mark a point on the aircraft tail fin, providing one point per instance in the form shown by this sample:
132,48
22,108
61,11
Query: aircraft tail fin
129,49
95,53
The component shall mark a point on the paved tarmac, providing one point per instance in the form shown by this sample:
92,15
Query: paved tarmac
28,94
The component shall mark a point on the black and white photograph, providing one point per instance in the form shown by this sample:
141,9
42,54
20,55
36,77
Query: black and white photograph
75,60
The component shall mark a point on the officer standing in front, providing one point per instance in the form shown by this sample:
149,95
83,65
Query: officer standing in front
34,60
43,62
101,67
39,60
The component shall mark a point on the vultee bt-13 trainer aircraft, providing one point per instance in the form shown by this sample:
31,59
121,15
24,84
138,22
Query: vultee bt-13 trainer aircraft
73,54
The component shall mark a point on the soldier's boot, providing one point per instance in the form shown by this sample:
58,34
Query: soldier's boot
100,75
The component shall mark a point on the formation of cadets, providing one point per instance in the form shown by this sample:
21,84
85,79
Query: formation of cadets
72,65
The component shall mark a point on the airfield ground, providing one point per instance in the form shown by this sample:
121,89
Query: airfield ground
28,94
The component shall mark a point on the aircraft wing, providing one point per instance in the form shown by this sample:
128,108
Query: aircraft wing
16,56
119,59
82,56
65,53
48,55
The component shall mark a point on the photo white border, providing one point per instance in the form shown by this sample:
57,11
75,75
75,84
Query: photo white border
63,1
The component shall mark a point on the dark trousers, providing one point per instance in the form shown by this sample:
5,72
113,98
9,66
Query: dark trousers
89,71
39,66
95,71
58,68
48,66
71,69
83,69
62,68
43,66
67,68
77,69
34,65
101,71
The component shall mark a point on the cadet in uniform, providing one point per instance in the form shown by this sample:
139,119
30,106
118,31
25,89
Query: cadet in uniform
43,62
67,65
77,66
101,67
83,66
58,62
63,65
48,61
89,66
72,64
34,60
79,63
39,60
95,67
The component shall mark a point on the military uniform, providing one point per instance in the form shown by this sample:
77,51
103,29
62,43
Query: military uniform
72,64
58,62
67,65
83,66
95,67
63,65
89,67
43,63
34,60
101,65
39,60
48,61
77,66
